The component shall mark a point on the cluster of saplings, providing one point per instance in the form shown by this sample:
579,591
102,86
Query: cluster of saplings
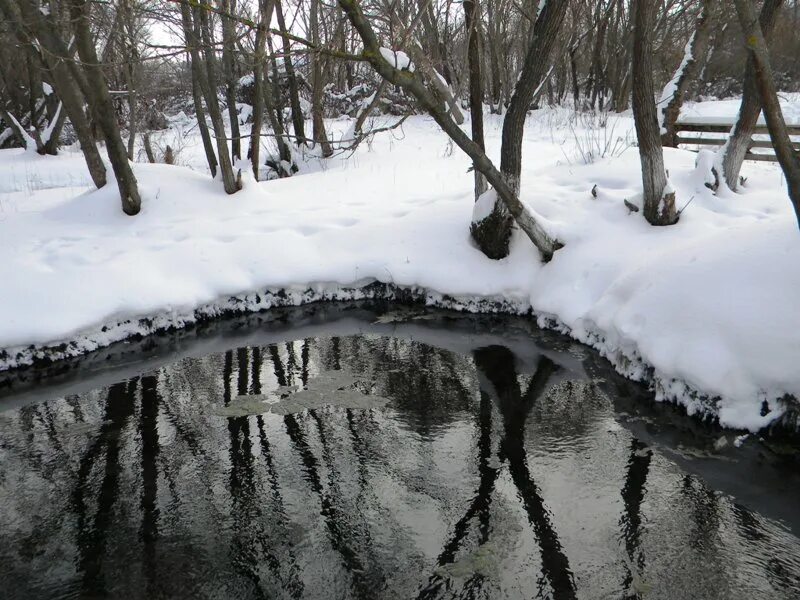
77,70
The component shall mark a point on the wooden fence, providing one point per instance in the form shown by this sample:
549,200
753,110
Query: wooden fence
713,131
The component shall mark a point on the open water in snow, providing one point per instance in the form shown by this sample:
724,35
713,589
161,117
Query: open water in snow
355,452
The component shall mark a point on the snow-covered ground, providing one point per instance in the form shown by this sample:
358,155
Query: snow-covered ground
704,309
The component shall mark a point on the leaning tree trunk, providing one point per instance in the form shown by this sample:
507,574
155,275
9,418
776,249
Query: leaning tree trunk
659,198
200,114
413,85
317,86
694,55
99,101
493,233
768,94
735,149
471,16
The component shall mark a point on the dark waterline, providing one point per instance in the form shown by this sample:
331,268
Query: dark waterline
494,460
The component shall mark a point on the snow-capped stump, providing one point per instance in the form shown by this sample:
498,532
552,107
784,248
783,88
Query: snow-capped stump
398,59
704,166
487,218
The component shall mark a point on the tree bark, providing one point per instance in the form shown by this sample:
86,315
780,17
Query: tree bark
272,99
208,84
259,58
493,236
317,86
229,64
294,95
414,86
199,84
471,19
534,69
735,149
693,60
200,114
103,109
768,94
658,199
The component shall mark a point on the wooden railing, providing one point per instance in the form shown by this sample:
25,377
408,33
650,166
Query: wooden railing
713,131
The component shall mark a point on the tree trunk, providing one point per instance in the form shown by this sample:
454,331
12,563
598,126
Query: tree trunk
659,198
229,64
471,17
694,56
493,235
768,94
264,17
294,95
200,113
99,101
734,150
148,148
317,86
274,106
208,83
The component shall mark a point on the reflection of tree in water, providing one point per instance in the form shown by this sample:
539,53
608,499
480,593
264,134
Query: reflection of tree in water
92,532
497,365
252,544
778,571
337,521
148,432
631,521
428,387
148,428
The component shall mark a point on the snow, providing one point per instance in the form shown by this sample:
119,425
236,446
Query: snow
30,143
484,205
47,88
398,59
52,125
705,310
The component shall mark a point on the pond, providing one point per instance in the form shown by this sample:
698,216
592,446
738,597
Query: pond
378,452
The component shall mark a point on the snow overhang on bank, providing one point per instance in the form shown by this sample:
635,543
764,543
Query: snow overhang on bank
705,311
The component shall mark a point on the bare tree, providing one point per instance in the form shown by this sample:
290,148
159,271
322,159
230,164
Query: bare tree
659,197
229,64
493,233
36,32
768,94
694,56
317,85
197,34
99,100
294,95
472,22
259,59
735,149
415,86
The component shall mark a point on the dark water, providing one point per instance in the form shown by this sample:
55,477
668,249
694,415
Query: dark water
462,458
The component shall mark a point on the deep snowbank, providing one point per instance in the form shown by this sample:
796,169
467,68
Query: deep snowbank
705,308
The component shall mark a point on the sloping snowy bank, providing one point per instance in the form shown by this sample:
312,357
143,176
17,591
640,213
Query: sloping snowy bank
705,309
